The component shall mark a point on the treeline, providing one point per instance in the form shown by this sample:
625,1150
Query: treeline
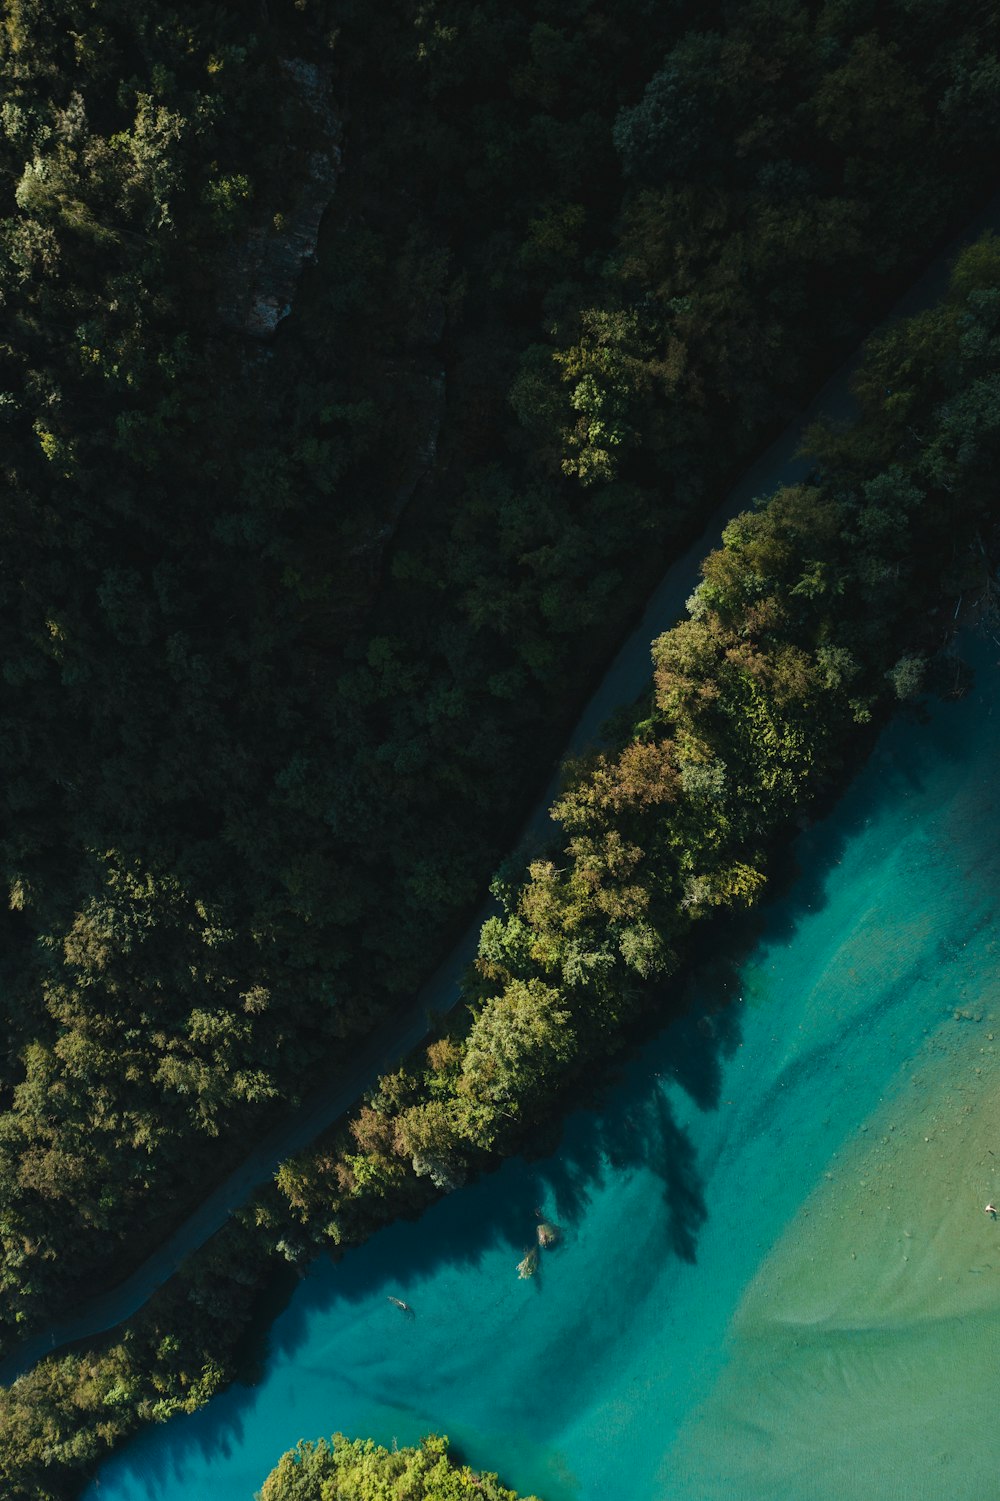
824,608
364,1471
815,615
291,625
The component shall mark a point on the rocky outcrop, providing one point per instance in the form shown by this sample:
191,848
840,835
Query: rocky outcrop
265,271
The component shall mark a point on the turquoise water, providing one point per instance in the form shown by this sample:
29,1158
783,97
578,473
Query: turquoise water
777,1282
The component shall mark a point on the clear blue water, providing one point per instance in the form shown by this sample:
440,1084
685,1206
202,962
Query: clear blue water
776,1272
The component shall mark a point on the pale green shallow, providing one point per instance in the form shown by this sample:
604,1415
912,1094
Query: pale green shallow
778,1283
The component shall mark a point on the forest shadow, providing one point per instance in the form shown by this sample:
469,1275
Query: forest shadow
890,766
622,1123
628,1125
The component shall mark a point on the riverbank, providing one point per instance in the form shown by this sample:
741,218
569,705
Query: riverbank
708,1158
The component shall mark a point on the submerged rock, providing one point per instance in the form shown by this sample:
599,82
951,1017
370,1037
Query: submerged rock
266,268
529,1266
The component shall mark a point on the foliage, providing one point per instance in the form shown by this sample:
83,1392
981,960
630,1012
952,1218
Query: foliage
292,627
359,1470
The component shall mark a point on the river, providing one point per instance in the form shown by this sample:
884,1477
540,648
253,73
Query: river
777,1282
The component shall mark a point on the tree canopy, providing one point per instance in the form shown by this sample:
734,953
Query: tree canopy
360,1470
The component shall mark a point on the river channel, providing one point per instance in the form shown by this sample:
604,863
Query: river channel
777,1282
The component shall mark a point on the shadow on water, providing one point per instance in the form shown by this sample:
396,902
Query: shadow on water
632,1128
681,1187
627,1125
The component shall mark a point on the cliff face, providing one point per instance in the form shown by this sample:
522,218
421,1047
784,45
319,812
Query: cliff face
258,291
265,270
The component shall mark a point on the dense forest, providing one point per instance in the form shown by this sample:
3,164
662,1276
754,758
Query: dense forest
362,1471
825,607
339,451
819,611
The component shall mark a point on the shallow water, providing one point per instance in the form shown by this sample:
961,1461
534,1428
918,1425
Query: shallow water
777,1282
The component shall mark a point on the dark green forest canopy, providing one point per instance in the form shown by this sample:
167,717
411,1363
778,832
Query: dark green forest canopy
293,608
364,1471
820,610
824,607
